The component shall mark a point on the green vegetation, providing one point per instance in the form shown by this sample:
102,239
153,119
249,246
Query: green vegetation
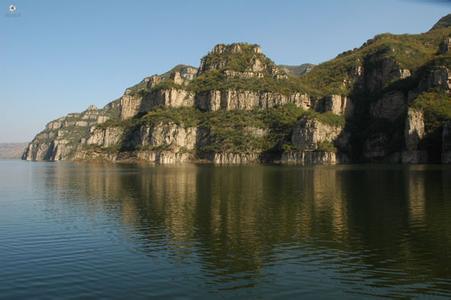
409,51
437,103
142,85
178,68
233,131
250,131
437,110
436,106
336,76
166,84
162,147
326,146
237,131
328,118
182,116
96,148
216,80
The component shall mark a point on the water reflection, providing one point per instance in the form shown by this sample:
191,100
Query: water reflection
379,230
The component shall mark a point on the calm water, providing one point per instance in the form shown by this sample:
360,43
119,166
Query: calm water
71,230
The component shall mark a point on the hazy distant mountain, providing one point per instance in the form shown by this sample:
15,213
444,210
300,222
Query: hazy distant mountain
297,70
11,150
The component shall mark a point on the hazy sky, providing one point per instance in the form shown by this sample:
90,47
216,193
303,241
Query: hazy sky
59,56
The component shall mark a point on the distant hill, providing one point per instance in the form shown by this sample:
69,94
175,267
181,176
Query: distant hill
11,150
297,70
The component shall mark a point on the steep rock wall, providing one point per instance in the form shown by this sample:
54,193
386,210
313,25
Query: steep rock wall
248,100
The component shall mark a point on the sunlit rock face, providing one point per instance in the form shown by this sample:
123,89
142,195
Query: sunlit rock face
309,133
336,104
414,133
248,100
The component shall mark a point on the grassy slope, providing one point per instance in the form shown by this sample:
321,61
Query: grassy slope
410,51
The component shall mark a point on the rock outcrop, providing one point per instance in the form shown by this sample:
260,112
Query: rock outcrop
131,104
168,135
336,104
105,137
310,158
239,61
309,134
414,133
314,143
234,158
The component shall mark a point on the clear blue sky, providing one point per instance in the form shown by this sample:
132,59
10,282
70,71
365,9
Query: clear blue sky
60,56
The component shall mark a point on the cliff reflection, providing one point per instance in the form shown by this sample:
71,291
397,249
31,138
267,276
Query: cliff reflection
237,219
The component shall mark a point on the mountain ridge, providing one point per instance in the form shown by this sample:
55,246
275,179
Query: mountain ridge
387,100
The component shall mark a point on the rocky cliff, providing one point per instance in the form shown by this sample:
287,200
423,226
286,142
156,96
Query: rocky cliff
388,100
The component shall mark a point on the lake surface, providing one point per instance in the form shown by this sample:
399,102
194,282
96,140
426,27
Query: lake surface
79,230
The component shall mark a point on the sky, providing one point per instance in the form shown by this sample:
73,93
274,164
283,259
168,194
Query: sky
59,56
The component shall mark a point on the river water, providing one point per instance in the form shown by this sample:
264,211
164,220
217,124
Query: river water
92,230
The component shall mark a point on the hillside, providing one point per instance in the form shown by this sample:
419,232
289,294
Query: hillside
388,100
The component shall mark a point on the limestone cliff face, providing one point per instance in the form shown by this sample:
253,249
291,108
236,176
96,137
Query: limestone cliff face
336,104
62,137
166,143
310,158
133,104
309,133
314,143
145,95
414,134
234,158
388,100
248,100
105,137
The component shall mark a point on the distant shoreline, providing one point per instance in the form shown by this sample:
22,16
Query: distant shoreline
12,150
